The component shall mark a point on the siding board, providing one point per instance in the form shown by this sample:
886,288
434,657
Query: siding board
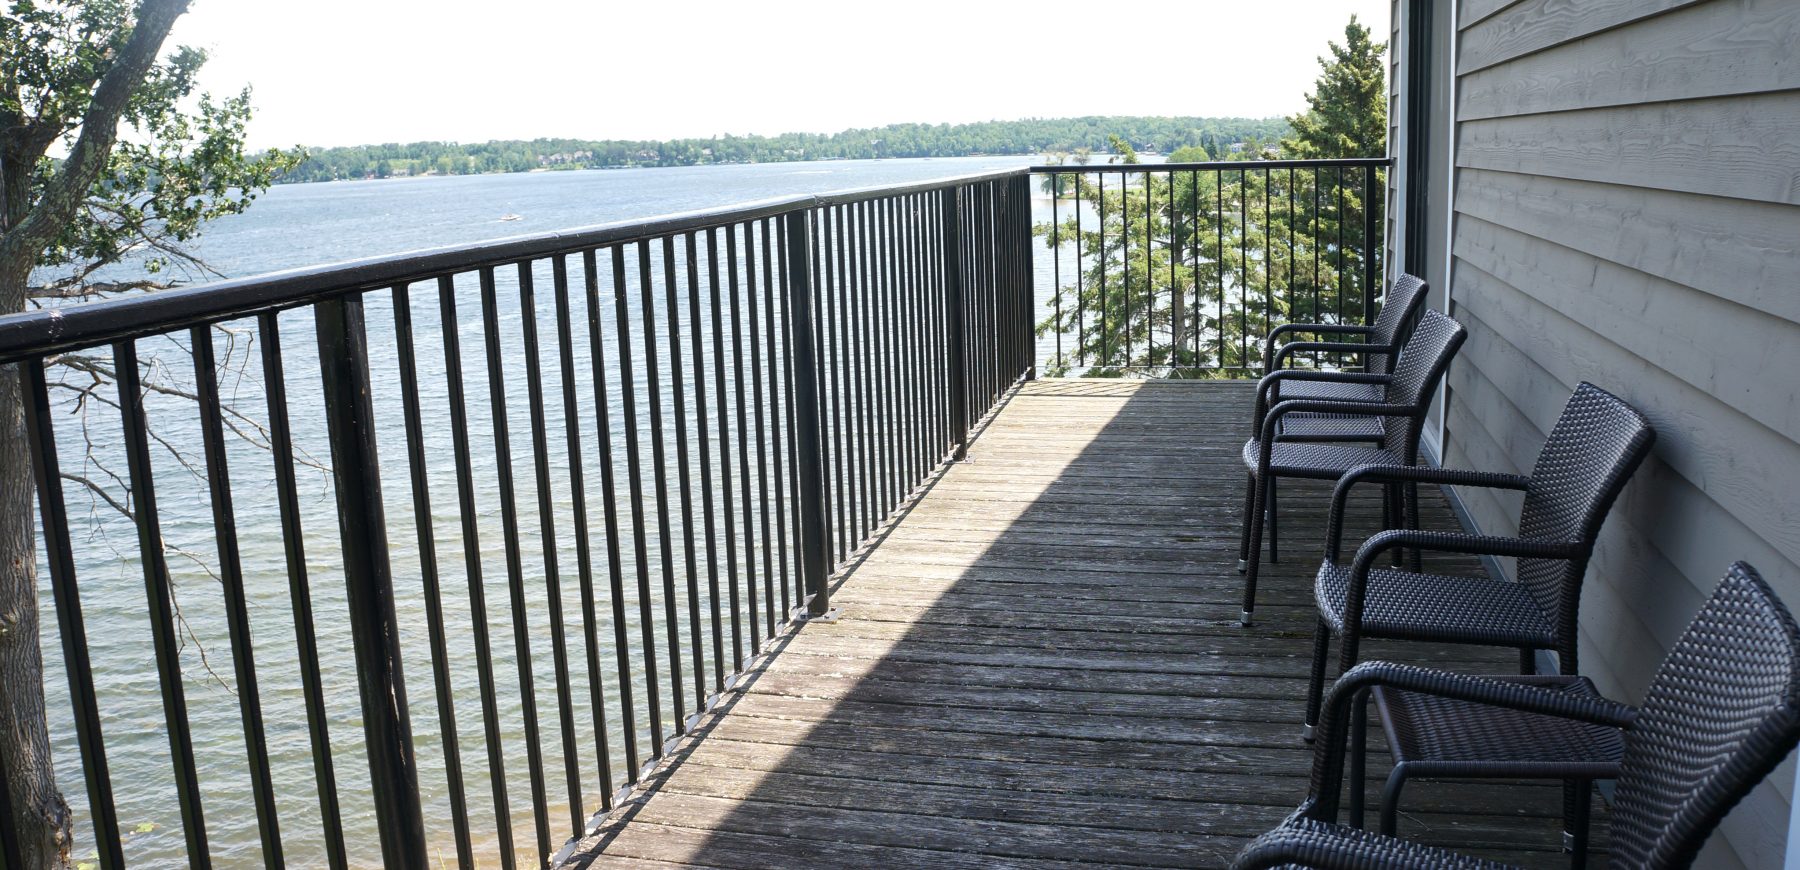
1717,347
1744,147
1535,25
1738,251
1751,470
1709,50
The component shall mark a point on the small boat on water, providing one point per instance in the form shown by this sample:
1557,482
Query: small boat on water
512,217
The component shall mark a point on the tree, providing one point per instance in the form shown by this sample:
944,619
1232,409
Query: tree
70,76
1181,273
1346,113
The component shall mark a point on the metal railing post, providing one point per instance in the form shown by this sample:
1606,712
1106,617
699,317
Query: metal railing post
1022,252
808,455
350,420
955,352
1370,245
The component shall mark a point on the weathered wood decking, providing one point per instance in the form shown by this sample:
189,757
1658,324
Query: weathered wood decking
1040,666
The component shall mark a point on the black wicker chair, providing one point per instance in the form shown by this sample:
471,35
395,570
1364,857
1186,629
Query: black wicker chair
1722,711
1596,444
1406,395
1378,350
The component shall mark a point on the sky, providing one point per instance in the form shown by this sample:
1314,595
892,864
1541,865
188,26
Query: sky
349,72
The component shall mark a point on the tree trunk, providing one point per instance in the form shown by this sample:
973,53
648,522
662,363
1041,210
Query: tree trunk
41,816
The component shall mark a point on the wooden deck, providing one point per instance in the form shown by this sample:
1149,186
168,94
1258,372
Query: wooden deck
1040,665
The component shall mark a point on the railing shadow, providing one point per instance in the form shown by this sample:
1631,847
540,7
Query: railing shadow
1039,662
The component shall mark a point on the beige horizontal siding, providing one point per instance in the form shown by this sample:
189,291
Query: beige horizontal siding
1627,212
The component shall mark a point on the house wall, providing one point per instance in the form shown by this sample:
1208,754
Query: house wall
1626,211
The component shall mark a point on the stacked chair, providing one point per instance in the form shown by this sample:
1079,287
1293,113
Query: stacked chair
1405,398
1722,711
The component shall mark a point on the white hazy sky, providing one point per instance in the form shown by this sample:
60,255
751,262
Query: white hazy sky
346,72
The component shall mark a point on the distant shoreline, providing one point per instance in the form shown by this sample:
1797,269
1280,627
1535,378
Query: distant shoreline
1149,134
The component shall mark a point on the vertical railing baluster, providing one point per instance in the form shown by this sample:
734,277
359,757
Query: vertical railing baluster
584,560
231,575
515,560
635,480
697,345
684,476
478,616
665,543
540,450
759,416
368,577
59,555
748,518
780,401
724,423
162,613
1368,245
955,350
609,506
428,573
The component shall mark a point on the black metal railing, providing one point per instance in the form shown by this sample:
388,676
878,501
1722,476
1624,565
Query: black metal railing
1179,269
744,397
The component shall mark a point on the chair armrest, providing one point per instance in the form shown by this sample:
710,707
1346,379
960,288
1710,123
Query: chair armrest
1315,406
1315,328
1406,474
1442,542
1328,753
1325,846
1269,385
1294,347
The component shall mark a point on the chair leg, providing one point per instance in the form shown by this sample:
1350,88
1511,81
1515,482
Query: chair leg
1527,661
1315,690
1390,800
1249,508
1256,532
1576,837
1359,756
1412,522
1393,516
1274,521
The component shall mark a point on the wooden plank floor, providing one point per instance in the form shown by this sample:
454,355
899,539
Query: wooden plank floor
1040,665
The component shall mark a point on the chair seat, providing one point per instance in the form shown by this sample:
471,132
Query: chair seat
1331,391
1330,427
1407,606
1437,736
1319,461
1341,846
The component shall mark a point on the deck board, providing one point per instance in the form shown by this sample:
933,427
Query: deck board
1039,665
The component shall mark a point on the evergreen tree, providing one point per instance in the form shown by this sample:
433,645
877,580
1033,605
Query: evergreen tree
1183,273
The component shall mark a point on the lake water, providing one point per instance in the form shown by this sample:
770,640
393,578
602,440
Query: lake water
302,225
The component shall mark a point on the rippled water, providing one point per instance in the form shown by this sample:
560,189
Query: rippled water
302,225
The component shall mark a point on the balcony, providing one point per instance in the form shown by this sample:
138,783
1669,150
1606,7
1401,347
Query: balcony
791,535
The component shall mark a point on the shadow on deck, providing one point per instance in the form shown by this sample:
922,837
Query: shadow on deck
1040,665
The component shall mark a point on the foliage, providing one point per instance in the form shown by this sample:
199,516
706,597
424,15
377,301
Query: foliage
1182,273
107,157
1032,136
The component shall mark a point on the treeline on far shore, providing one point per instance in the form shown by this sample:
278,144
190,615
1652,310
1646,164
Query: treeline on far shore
1032,136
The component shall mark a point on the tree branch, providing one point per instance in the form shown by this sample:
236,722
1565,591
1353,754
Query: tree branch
68,187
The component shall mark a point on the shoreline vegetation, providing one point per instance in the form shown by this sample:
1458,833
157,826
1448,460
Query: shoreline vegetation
1075,136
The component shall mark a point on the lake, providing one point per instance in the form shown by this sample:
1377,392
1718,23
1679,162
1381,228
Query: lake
302,225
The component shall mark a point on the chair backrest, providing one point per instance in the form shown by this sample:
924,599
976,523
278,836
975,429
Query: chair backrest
1422,363
1596,444
1722,711
1394,324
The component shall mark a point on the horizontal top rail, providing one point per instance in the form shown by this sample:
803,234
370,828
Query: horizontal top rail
1206,166
72,327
